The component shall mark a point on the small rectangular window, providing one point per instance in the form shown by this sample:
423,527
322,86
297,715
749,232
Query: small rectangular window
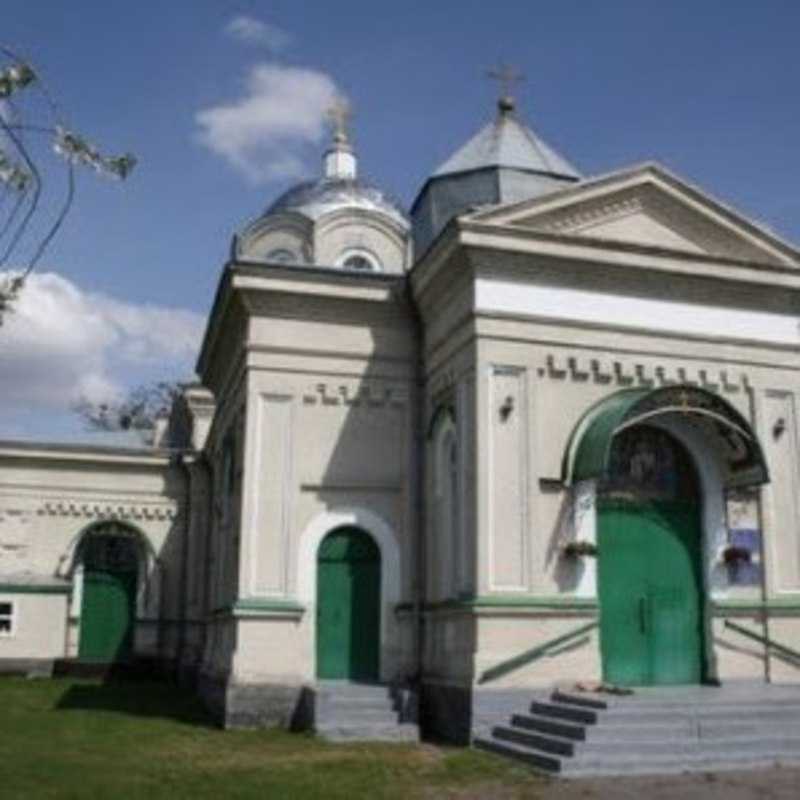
6,619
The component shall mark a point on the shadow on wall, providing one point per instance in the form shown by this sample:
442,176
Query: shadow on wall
354,449
566,571
136,699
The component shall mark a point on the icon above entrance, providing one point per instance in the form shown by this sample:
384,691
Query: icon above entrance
724,429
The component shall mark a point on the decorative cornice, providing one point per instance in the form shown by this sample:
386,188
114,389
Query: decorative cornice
361,395
111,511
632,374
589,214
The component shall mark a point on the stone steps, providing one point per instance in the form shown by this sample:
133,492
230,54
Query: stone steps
656,732
365,712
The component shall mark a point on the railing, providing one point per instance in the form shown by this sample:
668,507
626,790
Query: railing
778,648
523,659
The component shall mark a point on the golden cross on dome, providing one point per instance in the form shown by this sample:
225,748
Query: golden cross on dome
339,114
506,76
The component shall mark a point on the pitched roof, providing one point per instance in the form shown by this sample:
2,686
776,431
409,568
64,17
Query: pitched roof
506,142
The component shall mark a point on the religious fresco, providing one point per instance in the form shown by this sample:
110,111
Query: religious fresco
742,555
647,464
721,425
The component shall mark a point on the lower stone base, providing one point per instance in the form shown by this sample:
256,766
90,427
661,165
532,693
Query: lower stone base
446,712
258,705
138,668
458,714
27,667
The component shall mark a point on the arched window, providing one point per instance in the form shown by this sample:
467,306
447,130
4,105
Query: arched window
281,256
360,260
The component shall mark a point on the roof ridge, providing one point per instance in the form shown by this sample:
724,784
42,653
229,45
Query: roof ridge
533,138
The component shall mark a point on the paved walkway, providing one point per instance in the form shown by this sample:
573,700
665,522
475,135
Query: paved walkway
770,784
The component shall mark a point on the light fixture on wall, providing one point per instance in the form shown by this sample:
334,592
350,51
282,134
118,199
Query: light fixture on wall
506,408
778,428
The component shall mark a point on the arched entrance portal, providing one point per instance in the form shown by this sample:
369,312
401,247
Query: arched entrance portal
109,556
348,606
650,524
650,562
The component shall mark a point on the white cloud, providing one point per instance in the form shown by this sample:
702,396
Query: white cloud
266,134
255,32
61,344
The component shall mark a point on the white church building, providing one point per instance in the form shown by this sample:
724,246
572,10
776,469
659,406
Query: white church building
543,428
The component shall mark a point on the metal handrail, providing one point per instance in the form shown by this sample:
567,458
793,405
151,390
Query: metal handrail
780,648
504,667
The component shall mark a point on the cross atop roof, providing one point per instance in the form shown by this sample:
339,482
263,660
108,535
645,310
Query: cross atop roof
339,114
506,76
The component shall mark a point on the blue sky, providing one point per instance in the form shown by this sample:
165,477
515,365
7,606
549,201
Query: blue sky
709,88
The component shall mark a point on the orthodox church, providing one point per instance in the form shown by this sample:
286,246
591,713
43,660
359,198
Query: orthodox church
542,427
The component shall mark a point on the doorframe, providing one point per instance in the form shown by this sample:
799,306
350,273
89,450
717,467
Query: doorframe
148,575
713,527
392,577
376,643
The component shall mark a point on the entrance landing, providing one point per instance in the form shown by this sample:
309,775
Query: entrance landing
353,711
654,731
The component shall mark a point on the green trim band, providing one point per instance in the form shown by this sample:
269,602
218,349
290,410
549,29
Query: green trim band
564,603
744,606
26,588
254,607
528,601
533,602
523,659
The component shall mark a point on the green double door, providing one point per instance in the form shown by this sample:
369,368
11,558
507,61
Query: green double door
650,588
348,606
107,616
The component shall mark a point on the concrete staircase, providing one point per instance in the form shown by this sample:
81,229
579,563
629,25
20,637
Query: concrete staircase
365,712
654,731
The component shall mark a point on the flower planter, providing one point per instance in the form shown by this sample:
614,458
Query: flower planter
580,550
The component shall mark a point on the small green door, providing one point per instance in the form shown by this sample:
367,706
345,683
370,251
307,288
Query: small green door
348,606
649,573
108,607
107,615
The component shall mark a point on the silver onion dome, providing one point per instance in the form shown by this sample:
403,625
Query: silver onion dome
319,197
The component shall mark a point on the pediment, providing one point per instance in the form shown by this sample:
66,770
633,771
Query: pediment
650,208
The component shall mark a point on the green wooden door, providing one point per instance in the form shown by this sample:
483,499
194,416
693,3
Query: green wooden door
348,606
107,616
649,570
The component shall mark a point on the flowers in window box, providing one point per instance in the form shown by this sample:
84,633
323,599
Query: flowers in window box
733,556
580,549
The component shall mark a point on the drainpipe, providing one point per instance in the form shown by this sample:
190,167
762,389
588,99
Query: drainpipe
764,593
420,482
177,459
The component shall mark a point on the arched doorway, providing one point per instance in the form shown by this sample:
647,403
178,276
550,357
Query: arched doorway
109,557
650,562
348,606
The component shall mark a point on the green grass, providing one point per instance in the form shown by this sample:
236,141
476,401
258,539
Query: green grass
83,739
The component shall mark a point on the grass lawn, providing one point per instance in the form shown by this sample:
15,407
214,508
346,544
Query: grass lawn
84,739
